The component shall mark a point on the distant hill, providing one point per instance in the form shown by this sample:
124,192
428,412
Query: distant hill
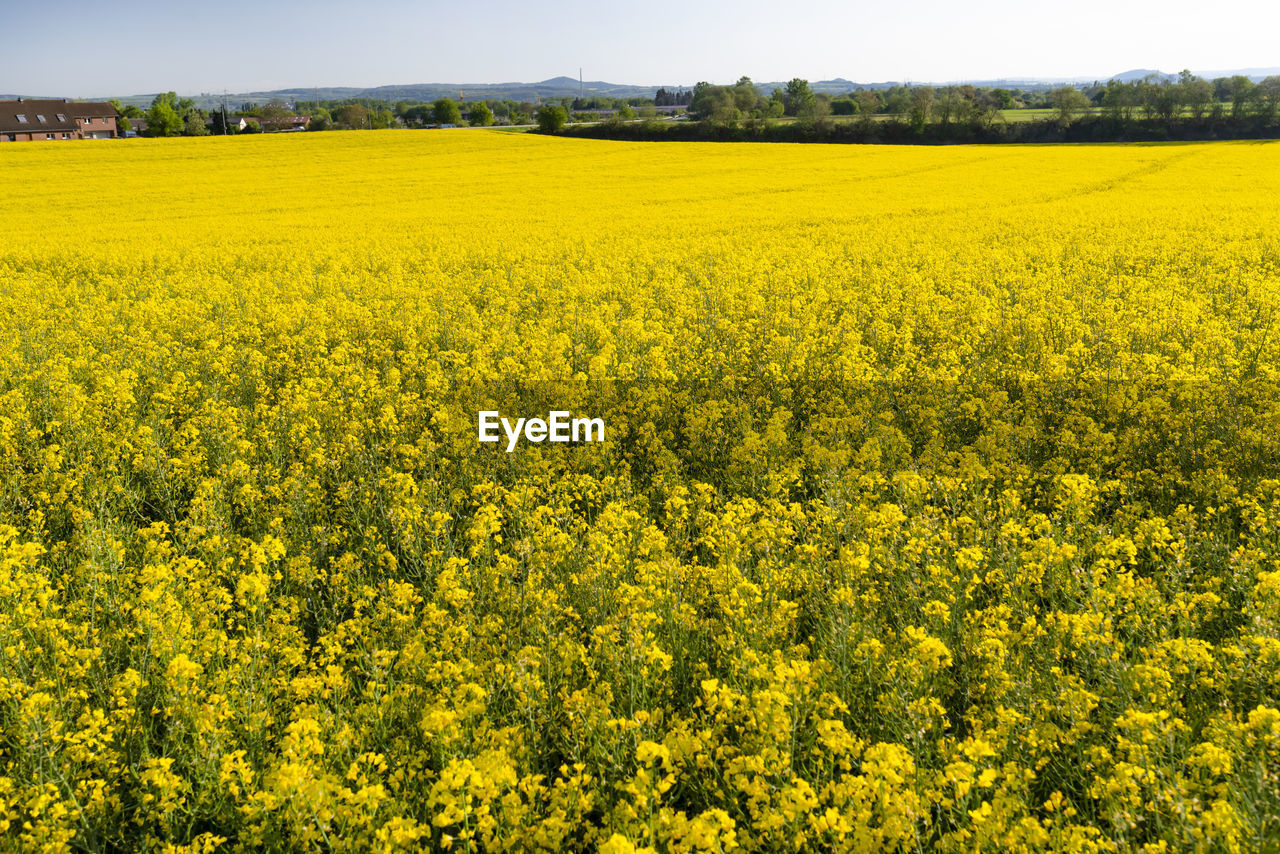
565,86
1136,74
1254,74
556,87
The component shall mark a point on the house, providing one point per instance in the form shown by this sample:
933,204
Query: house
27,120
235,123
272,124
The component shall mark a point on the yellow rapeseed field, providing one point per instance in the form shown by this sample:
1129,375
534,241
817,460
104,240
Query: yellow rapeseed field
938,508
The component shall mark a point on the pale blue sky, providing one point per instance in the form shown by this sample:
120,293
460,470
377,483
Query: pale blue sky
84,48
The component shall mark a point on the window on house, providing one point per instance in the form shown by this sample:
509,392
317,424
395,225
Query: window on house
22,119
40,118
61,117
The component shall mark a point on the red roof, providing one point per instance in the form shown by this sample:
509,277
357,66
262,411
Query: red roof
59,115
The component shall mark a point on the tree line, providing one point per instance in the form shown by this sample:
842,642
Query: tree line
1153,108
1185,106
1153,97
170,115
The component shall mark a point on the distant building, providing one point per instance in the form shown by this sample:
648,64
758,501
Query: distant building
288,123
28,121
274,124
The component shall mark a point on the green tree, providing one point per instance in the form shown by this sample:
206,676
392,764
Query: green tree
275,116
320,119
220,125
194,125
868,102
921,106
1241,90
798,98
1168,101
896,100
1067,102
1268,99
1197,93
776,106
163,119
419,115
353,116
122,119
446,112
745,96
716,105
700,104
551,118
170,98
480,115
820,110
1147,90
1119,100
956,103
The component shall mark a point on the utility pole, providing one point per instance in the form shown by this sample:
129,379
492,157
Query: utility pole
579,82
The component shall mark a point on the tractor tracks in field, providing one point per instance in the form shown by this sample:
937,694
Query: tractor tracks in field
1059,195
1104,186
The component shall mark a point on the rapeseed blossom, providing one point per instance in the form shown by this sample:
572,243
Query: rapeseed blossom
938,508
